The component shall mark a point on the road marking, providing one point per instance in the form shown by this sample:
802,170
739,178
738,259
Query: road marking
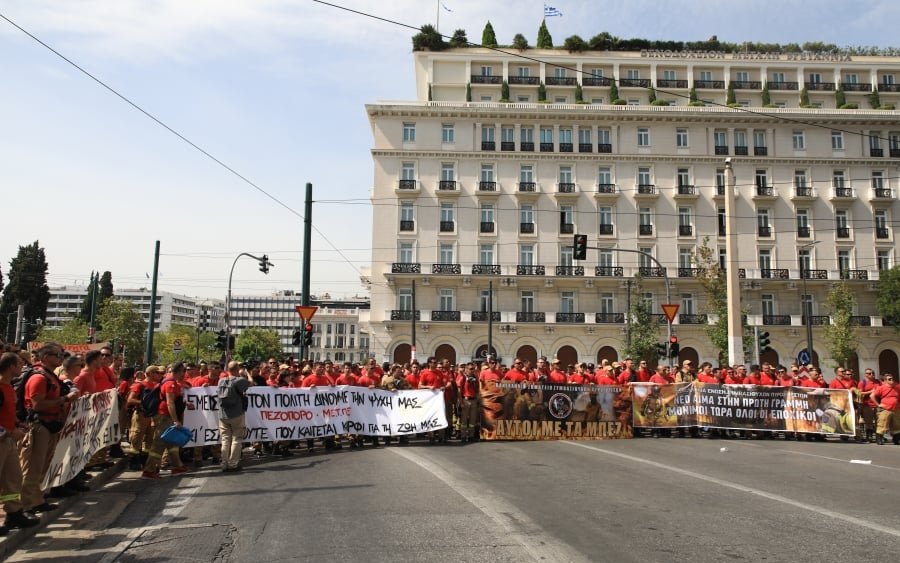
745,489
173,507
815,455
540,545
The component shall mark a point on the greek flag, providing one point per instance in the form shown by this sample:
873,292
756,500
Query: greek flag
550,11
445,7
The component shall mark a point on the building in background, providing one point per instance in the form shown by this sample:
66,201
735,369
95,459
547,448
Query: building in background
487,190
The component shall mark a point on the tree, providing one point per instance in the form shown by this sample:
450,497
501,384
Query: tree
804,98
613,93
519,42
468,91
257,343
711,277
164,345
840,334
123,323
459,39
766,97
106,286
643,327
72,331
87,305
504,91
730,99
542,92
428,39
579,94
652,96
26,285
840,99
488,39
602,42
544,40
575,44
874,98
888,302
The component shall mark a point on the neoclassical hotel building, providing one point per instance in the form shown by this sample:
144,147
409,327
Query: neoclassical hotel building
468,193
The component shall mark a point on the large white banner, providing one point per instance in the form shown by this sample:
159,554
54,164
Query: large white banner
92,424
298,414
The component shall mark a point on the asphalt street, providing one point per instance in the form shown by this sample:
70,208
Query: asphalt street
634,500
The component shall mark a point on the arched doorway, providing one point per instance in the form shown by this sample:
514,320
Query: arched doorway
853,363
688,354
446,352
567,355
482,351
402,353
887,362
770,356
607,353
527,353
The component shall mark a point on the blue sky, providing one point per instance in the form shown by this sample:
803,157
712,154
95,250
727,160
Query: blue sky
276,89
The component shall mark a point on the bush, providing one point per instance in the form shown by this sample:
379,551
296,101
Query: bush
542,92
428,39
488,39
504,92
579,94
733,105
544,40
659,103
575,44
459,39
613,93
888,106
769,106
468,92
619,102
851,105
697,103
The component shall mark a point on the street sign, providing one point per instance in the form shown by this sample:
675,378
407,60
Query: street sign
306,312
804,358
176,345
670,310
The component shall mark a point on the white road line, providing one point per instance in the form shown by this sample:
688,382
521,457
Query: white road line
173,507
540,545
815,455
745,489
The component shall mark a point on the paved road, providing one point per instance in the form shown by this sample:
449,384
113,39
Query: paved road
638,500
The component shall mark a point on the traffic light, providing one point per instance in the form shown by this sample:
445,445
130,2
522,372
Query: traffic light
264,264
221,340
674,348
231,340
308,337
580,247
661,351
298,337
764,341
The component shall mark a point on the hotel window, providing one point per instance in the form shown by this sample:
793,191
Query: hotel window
894,141
684,220
842,223
720,138
448,172
566,256
762,221
486,254
877,180
606,220
584,136
683,177
765,259
565,135
486,299
799,141
843,260
804,260
526,134
851,79
526,301
507,135
837,179
409,132
487,172
881,223
759,139
487,71
648,300
567,215
405,255
559,72
526,255
768,304
687,303
408,171
404,300
644,260
815,78
487,212
565,174
526,214
547,135
487,133
742,76
706,76
447,212
875,140
447,300
740,139
803,223
762,178
723,258
669,75
644,178
887,79
604,175
605,258
607,304
778,77
837,140
646,216
526,173
448,133
407,211
883,260
633,74
603,137
685,258
800,179
720,181
681,138
567,302
523,71
643,137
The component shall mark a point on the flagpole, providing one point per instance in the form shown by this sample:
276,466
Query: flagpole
438,24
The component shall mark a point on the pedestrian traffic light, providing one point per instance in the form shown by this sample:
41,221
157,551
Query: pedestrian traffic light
298,337
674,348
661,351
764,342
308,337
264,264
580,247
221,340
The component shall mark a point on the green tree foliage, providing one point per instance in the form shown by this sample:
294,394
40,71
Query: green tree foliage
602,42
644,329
544,40
542,92
613,93
459,39
468,91
87,304
488,39
257,344
766,97
122,321
504,91
164,344
874,98
26,285
428,39
575,44
804,99
729,97
579,94
652,96
519,42
888,302
712,278
840,99
72,331
106,285
840,334
693,96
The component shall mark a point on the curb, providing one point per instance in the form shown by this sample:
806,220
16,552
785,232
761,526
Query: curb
14,540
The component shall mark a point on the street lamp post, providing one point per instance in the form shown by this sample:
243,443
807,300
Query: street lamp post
264,268
807,313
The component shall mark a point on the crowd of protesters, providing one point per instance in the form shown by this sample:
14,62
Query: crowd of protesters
151,402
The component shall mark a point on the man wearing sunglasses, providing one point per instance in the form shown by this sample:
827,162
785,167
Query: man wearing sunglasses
887,397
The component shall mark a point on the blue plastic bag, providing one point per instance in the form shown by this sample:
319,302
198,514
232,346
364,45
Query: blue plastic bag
175,436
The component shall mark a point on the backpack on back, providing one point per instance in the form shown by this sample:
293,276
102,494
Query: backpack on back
18,383
150,400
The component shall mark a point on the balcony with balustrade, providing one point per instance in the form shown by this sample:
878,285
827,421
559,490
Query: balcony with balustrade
882,194
486,79
606,192
407,187
645,230
609,318
569,318
407,226
690,272
526,228
487,227
765,193
685,230
819,86
652,272
609,271
446,269
666,83
686,192
774,274
447,227
813,274
634,83
605,229
646,191
404,315
486,269
709,84
530,270
776,320
445,316
530,317
854,274
692,319
569,271
746,84
482,316
561,81
448,187
842,193
783,85
406,268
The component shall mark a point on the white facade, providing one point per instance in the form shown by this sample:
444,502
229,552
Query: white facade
487,191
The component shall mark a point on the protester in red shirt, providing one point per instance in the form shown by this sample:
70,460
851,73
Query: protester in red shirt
556,376
468,409
85,381
171,409
346,377
490,372
516,374
141,433
733,377
10,468
841,380
784,379
867,405
579,376
887,397
643,372
318,377
604,376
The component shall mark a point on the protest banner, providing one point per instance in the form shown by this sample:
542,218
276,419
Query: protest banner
298,414
745,407
529,411
91,425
